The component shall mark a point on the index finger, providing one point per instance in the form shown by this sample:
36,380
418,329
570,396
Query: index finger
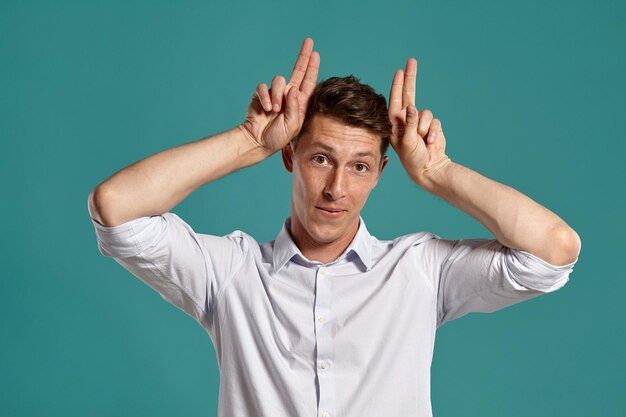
299,69
310,79
395,95
408,89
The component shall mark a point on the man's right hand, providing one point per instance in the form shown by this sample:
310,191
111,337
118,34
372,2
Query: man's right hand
275,115
156,184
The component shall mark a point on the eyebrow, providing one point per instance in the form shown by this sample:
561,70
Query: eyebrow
332,150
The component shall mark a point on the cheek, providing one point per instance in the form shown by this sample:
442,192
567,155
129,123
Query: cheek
297,189
361,189
308,184
301,189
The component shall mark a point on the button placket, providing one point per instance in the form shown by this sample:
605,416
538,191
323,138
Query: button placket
326,379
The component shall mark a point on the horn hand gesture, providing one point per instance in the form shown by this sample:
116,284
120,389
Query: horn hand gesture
276,114
417,136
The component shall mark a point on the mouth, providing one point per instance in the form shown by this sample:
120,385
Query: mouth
330,209
331,212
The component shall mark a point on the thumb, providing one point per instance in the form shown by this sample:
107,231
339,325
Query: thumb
292,115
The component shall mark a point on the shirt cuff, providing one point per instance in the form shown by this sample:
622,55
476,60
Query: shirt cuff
532,272
127,239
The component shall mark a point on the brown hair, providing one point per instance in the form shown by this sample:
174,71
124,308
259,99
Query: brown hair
354,103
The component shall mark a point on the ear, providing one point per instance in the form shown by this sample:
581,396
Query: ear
383,164
287,153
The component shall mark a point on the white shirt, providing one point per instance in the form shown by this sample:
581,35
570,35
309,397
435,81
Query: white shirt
351,338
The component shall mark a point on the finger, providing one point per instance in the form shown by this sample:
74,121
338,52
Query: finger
425,120
310,78
408,88
433,132
292,116
278,89
264,96
300,67
410,131
395,95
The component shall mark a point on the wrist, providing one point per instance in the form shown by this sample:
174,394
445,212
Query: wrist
249,149
433,176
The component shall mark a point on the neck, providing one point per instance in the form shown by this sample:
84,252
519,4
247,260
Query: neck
324,252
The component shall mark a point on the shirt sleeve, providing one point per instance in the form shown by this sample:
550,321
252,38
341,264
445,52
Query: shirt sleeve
482,275
186,268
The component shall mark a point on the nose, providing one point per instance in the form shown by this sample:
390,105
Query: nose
335,185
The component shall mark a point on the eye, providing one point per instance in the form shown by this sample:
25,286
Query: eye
320,159
361,167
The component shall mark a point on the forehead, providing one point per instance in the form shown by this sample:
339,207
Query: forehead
331,133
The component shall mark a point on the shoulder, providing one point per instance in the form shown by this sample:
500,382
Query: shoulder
219,247
236,240
402,246
414,239
404,241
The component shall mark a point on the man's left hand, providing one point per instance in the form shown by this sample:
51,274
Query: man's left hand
417,136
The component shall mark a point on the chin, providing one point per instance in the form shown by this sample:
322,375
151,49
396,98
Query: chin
327,233
322,234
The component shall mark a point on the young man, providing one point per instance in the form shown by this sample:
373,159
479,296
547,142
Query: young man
327,320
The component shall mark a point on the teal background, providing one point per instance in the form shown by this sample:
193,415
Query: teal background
530,94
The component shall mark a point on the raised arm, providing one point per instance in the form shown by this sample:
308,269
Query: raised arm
514,219
158,183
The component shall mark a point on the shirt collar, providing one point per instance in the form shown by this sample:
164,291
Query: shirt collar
285,248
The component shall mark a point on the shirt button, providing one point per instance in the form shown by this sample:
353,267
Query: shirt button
321,319
324,365
325,414
322,271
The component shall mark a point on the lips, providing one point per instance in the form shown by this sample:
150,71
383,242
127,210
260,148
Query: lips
330,209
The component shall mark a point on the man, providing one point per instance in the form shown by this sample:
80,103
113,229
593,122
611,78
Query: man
327,320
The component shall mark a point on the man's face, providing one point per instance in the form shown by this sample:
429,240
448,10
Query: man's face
334,167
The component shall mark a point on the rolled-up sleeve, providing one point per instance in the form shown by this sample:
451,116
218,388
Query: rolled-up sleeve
186,268
482,275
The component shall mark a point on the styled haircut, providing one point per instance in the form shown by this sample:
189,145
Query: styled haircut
352,102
